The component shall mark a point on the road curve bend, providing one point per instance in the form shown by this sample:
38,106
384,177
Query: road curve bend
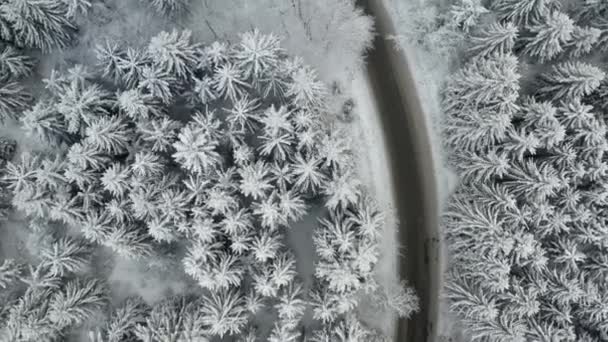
409,141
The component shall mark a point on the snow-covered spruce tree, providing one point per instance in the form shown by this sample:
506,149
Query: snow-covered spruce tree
40,24
52,304
168,7
526,225
252,150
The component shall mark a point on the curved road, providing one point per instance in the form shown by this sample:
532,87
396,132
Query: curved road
409,145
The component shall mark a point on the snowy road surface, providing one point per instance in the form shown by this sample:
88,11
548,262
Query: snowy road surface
413,174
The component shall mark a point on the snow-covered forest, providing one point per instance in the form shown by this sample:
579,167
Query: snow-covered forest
181,170
523,126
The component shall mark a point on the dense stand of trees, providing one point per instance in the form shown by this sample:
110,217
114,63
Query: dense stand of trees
205,154
525,129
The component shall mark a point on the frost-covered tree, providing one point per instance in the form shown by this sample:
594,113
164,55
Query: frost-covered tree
139,106
523,11
196,150
108,135
258,54
41,24
224,313
491,82
65,256
10,272
168,7
81,103
44,123
584,39
13,98
229,81
77,301
173,52
549,36
14,64
571,79
496,38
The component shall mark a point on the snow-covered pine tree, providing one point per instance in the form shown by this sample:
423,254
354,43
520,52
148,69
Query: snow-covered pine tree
175,318
496,38
549,36
41,24
174,53
44,123
14,64
169,7
584,39
258,54
224,313
13,99
65,256
571,79
196,150
523,12
10,271
81,103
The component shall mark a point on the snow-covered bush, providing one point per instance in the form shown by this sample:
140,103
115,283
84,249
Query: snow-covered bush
526,131
210,153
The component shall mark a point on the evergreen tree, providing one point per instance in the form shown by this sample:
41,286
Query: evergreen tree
159,134
77,301
76,7
571,79
305,88
229,81
44,123
127,242
549,36
584,39
138,106
110,56
174,53
224,313
13,98
254,180
524,11
116,179
258,53
195,151
490,82
13,64
169,7
108,135
465,13
495,39
80,104
10,271
65,256
125,319
41,24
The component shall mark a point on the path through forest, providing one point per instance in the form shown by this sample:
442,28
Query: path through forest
413,171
